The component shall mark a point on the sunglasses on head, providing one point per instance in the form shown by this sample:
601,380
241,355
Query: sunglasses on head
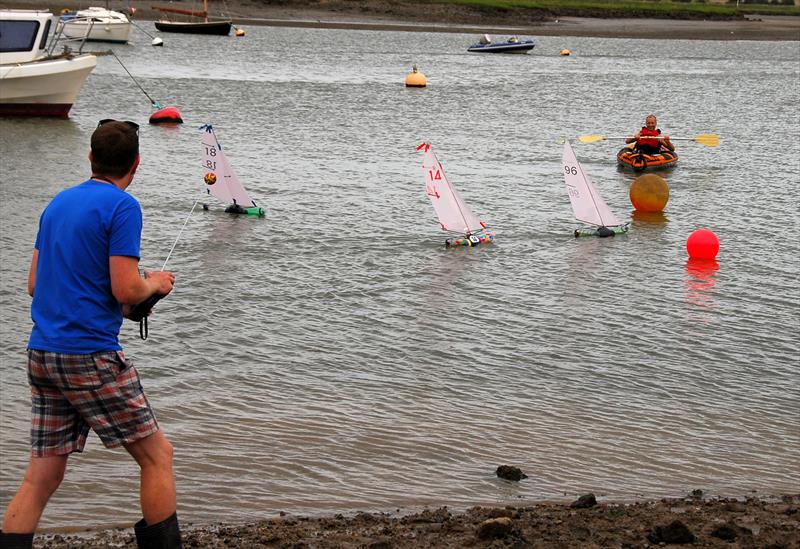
130,124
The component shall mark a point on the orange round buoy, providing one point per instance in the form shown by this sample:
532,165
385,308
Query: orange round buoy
239,32
416,79
702,244
565,51
649,193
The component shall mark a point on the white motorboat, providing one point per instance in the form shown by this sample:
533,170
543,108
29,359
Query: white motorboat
33,80
97,25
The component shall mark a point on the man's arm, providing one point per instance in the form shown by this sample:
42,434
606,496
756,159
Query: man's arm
32,272
635,137
129,288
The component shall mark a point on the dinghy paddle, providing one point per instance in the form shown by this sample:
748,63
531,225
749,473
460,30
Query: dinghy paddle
707,139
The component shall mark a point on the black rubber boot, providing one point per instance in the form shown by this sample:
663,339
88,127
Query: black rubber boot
16,541
163,535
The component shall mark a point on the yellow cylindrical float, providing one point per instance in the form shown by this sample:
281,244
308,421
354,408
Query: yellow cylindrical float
649,193
416,79
565,51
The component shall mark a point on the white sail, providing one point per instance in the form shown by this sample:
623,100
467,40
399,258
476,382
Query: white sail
454,214
587,203
220,179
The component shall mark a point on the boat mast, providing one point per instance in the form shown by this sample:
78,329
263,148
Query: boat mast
205,10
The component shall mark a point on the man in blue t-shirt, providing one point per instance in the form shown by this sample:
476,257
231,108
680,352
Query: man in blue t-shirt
84,278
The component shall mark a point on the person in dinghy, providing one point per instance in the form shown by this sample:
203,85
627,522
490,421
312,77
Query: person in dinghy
649,139
454,214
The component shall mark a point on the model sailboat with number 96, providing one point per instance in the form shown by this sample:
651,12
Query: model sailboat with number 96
587,204
453,213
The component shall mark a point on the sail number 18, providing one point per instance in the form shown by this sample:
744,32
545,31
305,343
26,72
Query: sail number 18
210,164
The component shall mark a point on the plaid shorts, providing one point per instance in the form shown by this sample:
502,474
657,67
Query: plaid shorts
71,393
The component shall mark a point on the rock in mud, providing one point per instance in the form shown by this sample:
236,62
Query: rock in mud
509,472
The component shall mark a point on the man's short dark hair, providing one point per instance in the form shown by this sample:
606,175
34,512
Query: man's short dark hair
115,146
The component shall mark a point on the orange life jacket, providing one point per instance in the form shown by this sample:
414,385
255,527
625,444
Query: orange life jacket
655,143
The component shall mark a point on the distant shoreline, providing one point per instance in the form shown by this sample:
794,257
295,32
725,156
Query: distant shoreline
397,16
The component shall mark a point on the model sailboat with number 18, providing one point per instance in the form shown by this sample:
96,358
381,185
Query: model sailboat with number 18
221,182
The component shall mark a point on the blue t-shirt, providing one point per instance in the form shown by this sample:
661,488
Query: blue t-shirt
73,309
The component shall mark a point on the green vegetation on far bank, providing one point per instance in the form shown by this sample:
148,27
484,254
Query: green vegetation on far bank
686,9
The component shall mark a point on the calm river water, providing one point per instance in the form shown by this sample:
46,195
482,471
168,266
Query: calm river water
333,356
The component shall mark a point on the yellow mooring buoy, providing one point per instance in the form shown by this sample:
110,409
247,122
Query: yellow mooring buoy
239,32
565,51
416,79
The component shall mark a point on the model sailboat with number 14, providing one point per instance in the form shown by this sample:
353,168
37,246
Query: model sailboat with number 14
453,213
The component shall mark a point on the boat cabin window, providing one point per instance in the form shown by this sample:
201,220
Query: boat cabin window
17,35
43,45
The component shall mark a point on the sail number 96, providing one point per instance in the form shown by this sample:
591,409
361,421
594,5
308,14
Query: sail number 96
570,170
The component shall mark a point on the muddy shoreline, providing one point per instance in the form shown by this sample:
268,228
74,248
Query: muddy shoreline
764,523
399,15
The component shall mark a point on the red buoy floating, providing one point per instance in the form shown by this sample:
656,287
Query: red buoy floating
702,244
167,115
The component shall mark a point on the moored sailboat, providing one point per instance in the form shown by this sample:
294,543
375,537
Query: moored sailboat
455,216
587,204
221,27
220,179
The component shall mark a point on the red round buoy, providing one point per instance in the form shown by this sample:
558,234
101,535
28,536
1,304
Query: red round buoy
702,244
167,115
